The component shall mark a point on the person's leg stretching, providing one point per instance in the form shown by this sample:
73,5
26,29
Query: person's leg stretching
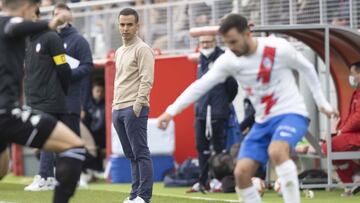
47,161
252,155
219,138
136,130
203,149
69,162
244,171
118,121
286,170
289,130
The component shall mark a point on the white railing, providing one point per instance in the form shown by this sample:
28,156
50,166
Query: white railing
165,25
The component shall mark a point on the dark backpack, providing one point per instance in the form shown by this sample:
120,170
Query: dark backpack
187,174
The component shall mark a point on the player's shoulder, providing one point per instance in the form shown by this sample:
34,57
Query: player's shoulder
227,59
143,48
273,41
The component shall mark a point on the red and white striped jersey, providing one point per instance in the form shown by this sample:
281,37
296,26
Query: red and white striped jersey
266,76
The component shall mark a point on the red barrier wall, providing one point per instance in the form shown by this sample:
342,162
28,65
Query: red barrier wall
172,76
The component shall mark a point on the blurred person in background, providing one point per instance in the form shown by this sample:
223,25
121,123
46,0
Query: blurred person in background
212,112
348,137
95,121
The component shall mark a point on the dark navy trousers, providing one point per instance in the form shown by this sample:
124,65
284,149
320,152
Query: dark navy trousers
132,132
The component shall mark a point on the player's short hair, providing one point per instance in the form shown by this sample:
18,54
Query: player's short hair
37,12
14,4
128,12
233,21
62,6
356,65
98,83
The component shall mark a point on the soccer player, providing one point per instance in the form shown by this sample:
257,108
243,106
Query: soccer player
43,65
263,66
24,126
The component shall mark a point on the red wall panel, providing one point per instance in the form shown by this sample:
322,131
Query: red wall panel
172,76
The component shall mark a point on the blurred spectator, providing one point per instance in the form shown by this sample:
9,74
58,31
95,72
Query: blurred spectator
95,120
348,136
338,12
212,111
96,113
45,3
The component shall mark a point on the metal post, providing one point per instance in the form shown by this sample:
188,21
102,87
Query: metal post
351,16
262,12
328,133
170,33
291,12
321,6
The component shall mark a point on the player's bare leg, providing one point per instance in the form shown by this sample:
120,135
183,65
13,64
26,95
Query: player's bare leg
69,162
4,163
244,171
279,152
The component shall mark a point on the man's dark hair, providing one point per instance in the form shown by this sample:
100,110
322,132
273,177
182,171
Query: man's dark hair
62,6
128,12
14,4
357,66
37,12
233,21
98,82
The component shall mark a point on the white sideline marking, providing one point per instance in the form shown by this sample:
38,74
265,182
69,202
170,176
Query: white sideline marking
197,198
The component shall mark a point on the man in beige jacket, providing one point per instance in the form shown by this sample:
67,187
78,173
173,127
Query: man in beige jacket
133,82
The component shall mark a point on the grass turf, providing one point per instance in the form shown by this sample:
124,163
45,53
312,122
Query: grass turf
12,190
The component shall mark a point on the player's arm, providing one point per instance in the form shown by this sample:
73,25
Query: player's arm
4,163
298,61
352,123
18,27
146,62
57,52
83,54
216,75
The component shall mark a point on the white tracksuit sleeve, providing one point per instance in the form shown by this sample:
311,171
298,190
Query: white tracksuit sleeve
216,75
298,61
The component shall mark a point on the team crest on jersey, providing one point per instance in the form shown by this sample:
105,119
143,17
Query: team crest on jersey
267,63
38,47
65,45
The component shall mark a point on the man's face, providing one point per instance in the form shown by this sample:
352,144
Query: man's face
237,42
207,42
98,93
128,26
58,11
355,74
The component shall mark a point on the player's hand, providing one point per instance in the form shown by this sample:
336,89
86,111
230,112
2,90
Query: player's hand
164,120
61,18
329,113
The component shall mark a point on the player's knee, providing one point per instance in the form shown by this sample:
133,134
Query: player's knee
241,171
279,152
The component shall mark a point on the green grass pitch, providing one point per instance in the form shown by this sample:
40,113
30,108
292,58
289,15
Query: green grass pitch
12,190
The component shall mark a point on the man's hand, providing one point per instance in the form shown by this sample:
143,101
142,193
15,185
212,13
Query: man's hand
329,113
164,120
63,17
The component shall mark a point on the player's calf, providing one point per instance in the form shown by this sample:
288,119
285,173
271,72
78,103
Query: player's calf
286,170
243,172
68,170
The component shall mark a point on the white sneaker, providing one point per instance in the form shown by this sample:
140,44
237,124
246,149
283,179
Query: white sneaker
138,200
127,200
50,183
38,184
